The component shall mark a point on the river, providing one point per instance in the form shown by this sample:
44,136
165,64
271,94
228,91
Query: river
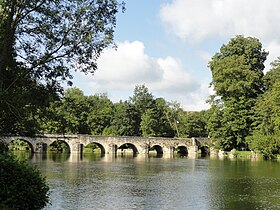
142,182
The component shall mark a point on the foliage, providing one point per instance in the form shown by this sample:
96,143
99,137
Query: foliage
59,146
126,120
154,122
237,72
22,186
100,113
192,124
41,41
68,115
142,99
273,75
267,145
265,137
97,115
19,144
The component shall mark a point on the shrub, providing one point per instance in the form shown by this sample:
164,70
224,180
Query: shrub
22,186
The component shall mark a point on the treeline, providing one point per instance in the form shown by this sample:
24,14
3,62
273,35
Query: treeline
141,115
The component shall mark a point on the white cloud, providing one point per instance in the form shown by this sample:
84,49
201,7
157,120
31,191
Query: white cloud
195,20
205,20
120,71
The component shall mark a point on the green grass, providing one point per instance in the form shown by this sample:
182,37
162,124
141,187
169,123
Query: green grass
244,154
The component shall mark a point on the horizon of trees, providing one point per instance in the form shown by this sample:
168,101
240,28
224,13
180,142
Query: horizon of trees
141,115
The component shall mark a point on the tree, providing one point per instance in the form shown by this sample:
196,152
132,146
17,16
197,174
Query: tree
265,136
100,113
142,99
237,72
41,41
192,124
154,121
125,120
69,115
273,75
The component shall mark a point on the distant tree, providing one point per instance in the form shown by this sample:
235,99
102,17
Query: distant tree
142,99
173,116
237,72
192,124
154,122
125,120
69,115
100,113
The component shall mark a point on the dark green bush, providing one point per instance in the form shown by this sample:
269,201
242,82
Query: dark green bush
21,185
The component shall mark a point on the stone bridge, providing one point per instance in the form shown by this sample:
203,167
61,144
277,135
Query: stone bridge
111,144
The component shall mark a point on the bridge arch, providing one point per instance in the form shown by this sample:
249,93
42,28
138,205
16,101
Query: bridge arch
205,150
61,145
182,150
157,148
30,145
126,146
102,148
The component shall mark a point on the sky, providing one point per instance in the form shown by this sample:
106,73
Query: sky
166,45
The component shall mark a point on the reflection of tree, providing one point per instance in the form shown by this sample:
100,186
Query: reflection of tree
243,184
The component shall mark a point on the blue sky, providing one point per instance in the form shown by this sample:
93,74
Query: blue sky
167,44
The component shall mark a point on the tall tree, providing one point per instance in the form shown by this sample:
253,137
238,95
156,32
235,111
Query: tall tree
237,72
41,41
142,99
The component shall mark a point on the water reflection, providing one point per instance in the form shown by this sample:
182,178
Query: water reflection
127,181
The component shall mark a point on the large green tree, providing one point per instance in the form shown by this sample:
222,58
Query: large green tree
237,72
40,42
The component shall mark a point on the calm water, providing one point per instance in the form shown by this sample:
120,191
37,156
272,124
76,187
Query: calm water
159,183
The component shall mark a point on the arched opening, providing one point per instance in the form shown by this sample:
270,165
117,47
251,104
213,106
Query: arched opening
181,151
204,151
41,147
156,150
21,148
20,145
59,146
127,148
95,148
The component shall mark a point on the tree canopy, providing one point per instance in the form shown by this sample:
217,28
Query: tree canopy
41,42
237,79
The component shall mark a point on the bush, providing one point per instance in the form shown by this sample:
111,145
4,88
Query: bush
22,186
267,145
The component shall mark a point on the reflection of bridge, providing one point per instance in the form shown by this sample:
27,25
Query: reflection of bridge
110,144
